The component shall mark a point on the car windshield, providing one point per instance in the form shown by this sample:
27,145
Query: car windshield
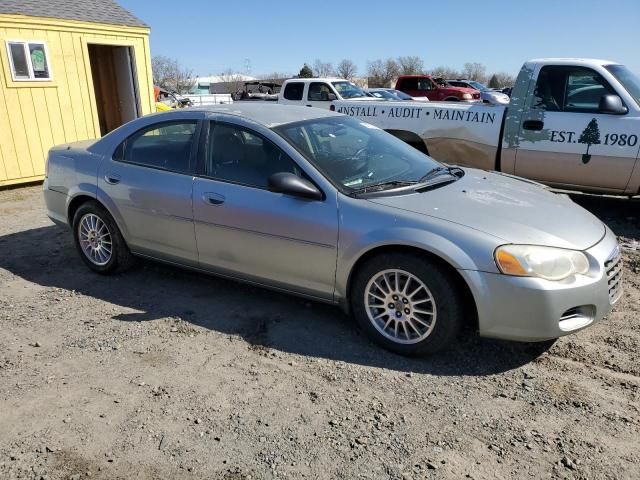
383,94
354,154
628,79
349,90
400,95
478,86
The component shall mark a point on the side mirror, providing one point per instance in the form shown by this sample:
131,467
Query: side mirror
290,184
331,97
612,104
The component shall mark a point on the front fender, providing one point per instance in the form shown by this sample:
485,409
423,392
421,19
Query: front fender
463,254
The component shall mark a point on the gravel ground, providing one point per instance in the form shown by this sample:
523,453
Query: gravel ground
164,373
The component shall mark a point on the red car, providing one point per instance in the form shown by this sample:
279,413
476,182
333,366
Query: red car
435,89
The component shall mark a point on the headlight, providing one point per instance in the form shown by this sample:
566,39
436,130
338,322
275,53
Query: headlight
467,96
545,262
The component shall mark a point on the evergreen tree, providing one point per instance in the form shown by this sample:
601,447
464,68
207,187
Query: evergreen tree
493,82
590,136
305,72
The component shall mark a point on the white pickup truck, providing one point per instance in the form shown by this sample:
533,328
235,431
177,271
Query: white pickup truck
571,123
319,92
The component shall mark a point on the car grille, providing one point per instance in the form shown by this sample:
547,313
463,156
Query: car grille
613,267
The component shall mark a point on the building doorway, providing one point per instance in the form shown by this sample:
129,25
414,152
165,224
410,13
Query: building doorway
114,84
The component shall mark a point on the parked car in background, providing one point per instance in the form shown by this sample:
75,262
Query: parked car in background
487,94
571,123
326,206
435,89
319,92
393,94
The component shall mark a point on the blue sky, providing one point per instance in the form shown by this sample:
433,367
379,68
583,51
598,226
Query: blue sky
212,37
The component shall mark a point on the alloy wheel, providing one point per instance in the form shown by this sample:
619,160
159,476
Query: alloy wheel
95,239
400,306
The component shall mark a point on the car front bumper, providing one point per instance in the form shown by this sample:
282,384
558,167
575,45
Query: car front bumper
533,309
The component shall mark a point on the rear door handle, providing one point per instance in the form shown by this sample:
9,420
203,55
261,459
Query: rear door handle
309,105
213,198
112,179
535,125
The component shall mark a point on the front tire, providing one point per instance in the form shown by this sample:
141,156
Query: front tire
407,303
99,241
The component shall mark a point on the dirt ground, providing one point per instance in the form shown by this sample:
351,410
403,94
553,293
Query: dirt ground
164,373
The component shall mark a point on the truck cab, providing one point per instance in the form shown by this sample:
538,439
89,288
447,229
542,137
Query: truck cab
319,92
574,123
435,89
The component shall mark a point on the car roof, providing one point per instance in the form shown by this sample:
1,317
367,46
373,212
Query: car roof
268,114
571,61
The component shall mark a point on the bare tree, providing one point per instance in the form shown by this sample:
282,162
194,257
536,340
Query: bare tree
382,72
170,75
322,69
233,82
445,72
475,71
361,82
410,65
346,69
275,76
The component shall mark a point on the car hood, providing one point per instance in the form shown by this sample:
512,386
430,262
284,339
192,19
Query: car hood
497,96
510,208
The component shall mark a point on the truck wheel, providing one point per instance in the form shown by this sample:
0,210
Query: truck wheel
407,304
99,241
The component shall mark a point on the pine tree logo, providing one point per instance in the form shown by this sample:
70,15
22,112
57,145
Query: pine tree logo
590,136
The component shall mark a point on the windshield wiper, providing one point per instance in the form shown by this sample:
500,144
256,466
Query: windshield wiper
376,187
442,170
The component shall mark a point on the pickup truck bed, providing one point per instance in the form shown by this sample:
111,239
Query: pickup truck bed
460,133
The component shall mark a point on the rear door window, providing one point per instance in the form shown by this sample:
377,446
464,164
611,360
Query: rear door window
165,146
293,91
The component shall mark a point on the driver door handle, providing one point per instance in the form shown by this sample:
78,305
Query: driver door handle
535,125
213,198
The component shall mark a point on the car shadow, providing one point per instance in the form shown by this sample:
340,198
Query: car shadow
264,319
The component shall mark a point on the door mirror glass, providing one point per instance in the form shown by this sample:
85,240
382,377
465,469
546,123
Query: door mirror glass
612,104
331,96
290,184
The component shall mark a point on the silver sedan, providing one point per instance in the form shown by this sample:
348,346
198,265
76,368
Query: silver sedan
326,206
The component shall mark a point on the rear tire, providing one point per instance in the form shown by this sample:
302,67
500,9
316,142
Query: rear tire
99,241
407,303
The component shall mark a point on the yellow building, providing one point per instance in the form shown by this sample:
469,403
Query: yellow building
69,70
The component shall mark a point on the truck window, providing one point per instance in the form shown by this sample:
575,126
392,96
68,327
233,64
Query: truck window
570,89
318,92
416,84
294,90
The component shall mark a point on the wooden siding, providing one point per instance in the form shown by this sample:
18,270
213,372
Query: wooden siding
34,116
